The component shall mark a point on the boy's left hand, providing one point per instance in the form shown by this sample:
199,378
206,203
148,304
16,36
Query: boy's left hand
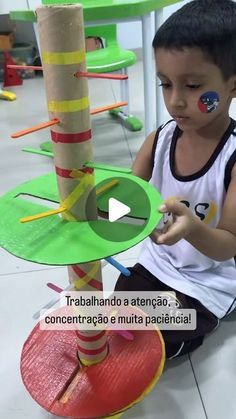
182,224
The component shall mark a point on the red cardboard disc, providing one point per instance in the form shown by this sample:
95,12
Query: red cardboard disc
55,379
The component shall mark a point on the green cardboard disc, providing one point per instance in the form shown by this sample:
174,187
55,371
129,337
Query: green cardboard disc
47,146
55,241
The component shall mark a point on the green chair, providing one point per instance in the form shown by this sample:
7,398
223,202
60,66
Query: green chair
112,58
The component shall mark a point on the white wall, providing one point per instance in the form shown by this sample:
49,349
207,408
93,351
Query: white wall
6,5
130,34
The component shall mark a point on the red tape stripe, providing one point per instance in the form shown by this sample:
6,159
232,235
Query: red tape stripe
79,137
66,173
93,282
92,351
91,338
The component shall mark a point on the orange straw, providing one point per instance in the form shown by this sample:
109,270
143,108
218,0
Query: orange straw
24,67
78,74
36,128
56,121
101,75
107,108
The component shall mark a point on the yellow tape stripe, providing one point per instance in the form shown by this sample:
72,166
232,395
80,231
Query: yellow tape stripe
63,58
68,105
79,283
88,363
78,191
68,216
77,174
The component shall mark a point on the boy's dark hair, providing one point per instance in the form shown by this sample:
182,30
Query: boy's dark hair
206,24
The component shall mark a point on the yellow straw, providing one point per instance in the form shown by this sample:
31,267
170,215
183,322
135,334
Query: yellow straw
42,215
106,187
103,188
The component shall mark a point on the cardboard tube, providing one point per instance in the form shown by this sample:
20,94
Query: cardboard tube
61,34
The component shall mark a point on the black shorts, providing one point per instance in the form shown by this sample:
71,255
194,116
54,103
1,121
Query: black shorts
177,342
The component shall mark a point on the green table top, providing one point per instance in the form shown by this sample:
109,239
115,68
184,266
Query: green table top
95,10
115,9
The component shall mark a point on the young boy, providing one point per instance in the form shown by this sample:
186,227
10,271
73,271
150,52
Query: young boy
191,160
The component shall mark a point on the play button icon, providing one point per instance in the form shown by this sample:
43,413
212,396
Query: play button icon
117,210
123,208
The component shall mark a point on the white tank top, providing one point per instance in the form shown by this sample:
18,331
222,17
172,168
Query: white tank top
181,266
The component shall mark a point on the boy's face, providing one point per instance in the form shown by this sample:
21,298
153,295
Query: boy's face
194,90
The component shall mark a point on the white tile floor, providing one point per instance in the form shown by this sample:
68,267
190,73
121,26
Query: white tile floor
201,386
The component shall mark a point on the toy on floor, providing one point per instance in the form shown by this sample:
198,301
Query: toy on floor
79,374
11,76
6,95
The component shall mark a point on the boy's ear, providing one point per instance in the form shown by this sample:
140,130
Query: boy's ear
233,86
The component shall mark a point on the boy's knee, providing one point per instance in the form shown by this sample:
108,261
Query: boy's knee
124,283
177,349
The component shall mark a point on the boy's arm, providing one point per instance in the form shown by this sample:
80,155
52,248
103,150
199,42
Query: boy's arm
217,243
142,166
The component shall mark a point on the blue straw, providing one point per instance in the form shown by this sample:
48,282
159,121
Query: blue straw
118,266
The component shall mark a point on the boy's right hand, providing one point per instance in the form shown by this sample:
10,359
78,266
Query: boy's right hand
182,224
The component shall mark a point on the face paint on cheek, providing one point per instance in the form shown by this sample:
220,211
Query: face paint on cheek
208,102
